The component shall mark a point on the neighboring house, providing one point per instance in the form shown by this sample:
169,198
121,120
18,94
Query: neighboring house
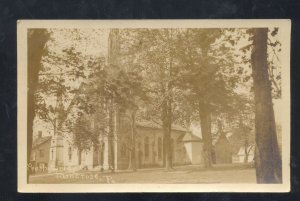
228,150
222,153
40,153
240,157
194,148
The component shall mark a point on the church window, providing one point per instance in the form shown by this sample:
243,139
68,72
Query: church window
146,147
172,148
70,153
34,156
159,150
51,154
41,153
123,150
122,124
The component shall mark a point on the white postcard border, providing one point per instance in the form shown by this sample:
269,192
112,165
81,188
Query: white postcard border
23,25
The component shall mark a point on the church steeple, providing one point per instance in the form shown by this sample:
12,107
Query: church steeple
56,159
113,47
59,111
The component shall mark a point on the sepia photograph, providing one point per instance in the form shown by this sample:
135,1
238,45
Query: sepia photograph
153,105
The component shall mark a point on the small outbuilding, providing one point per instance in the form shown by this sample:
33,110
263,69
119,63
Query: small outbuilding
194,148
222,153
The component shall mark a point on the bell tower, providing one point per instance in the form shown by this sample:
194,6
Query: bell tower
113,47
110,143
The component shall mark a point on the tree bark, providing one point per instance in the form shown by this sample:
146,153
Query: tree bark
167,114
167,123
167,127
246,145
267,155
205,124
79,156
130,160
166,136
102,155
169,162
37,39
111,137
133,131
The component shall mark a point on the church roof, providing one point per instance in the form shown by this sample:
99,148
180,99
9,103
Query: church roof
151,124
40,140
220,136
189,137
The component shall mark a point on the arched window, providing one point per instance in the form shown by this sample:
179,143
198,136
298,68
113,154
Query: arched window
41,153
159,148
51,154
70,153
172,148
146,142
123,150
34,156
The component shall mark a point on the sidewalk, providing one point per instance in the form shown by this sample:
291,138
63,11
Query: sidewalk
180,174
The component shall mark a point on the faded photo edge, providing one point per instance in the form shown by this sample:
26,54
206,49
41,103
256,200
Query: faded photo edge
24,25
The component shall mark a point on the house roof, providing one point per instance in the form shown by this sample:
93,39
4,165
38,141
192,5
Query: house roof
154,125
40,140
189,137
180,138
218,137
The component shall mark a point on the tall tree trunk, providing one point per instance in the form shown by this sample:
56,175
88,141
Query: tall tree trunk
102,155
267,156
131,145
37,39
205,123
167,123
245,139
167,113
133,132
169,164
130,159
246,145
30,119
79,156
166,137
111,137
164,126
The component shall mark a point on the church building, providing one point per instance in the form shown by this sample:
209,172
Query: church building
54,152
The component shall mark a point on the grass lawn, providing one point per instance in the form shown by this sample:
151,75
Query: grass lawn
183,174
